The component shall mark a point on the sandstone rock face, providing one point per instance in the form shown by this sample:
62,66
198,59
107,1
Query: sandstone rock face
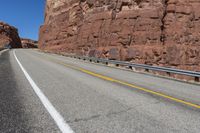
9,36
182,34
28,43
156,32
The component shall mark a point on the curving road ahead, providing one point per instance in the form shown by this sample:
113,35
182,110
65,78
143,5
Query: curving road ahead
47,93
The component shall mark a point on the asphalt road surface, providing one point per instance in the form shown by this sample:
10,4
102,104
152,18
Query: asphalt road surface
47,93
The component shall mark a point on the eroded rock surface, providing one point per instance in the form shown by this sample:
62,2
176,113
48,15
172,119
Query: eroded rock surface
156,32
9,36
182,34
28,43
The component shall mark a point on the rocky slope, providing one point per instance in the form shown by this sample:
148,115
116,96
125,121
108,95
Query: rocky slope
9,36
156,32
28,43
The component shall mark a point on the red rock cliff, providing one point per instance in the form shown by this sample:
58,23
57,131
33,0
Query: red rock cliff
28,43
9,36
157,32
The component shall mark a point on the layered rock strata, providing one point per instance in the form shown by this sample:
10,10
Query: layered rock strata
28,43
9,37
155,32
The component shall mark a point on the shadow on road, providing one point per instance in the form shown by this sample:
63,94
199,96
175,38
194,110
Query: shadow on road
11,110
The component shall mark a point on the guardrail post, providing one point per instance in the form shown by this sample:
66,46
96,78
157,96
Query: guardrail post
168,73
147,68
197,79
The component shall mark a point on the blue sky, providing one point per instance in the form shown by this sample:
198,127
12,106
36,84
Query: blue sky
26,15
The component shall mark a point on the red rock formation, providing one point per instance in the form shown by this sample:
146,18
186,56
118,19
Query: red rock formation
157,32
182,34
9,36
28,43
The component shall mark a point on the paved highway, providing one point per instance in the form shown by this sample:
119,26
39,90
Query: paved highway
47,93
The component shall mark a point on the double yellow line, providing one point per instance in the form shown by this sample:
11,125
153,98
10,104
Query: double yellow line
126,84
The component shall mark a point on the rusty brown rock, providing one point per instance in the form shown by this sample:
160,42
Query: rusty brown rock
28,43
156,32
9,37
182,34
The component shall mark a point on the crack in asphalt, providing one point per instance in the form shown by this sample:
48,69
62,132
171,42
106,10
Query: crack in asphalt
108,114
102,115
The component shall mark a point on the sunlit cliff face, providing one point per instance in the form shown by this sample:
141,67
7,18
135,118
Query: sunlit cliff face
160,32
9,36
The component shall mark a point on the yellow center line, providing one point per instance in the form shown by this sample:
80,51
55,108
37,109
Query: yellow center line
126,84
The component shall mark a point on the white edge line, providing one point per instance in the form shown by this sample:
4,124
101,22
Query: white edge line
59,120
2,51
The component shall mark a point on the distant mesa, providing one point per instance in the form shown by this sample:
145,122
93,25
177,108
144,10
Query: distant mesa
28,43
9,37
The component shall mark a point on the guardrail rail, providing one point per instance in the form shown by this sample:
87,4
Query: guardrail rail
147,68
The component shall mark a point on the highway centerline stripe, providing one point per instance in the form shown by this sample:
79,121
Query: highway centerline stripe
59,120
125,83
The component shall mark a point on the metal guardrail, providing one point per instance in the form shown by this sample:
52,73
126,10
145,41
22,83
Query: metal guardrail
168,70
